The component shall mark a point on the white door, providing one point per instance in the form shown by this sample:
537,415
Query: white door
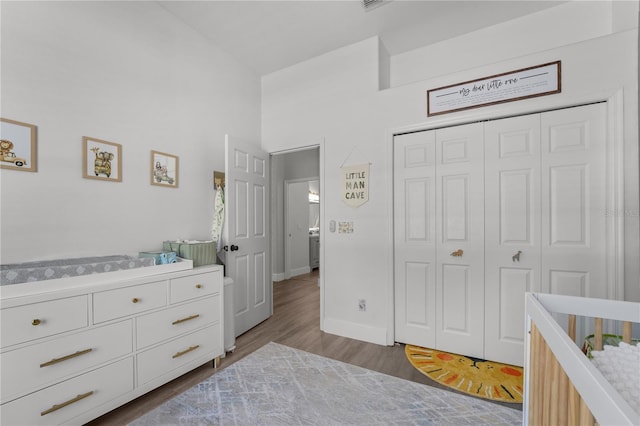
512,232
545,220
574,239
296,202
248,260
415,238
439,246
460,239
533,220
574,201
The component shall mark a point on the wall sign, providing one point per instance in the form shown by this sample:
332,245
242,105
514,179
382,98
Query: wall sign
355,184
512,86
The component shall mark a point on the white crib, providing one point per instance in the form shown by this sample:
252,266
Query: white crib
562,386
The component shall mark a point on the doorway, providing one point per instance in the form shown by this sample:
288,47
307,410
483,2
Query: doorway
295,223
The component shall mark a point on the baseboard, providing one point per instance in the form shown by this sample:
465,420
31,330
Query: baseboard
277,277
300,271
352,330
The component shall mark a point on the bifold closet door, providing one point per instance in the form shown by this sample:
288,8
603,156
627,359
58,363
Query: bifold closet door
460,239
485,212
439,246
574,238
415,238
545,217
512,232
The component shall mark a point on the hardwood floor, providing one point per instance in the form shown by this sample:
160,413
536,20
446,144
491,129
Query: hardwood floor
295,323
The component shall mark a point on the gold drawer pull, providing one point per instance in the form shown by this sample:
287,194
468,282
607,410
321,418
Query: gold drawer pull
64,358
186,351
185,319
135,300
198,285
457,253
64,404
36,322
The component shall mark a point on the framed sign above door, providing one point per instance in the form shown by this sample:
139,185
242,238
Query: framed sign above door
511,86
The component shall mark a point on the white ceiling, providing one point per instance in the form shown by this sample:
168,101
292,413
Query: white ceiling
271,35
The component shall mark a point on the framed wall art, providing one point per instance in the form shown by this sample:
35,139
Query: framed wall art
17,145
101,160
525,83
164,169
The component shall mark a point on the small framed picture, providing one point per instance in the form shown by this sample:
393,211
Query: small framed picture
164,169
17,145
101,160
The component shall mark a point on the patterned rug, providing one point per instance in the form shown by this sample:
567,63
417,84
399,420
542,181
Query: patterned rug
486,379
278,385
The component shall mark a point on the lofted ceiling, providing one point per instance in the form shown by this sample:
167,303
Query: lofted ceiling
270,35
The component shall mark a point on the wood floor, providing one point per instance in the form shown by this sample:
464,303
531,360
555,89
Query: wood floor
295,323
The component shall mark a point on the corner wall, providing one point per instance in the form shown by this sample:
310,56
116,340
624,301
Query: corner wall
129,73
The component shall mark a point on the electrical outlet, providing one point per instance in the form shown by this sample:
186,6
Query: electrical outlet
362,305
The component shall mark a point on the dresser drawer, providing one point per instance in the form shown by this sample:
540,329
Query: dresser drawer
37,320
172,322
112,304
32,367
193,286
176,353
64,401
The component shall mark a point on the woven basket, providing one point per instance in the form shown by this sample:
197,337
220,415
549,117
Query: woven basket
200,253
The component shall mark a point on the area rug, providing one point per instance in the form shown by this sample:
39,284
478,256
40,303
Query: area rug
279,385
485,379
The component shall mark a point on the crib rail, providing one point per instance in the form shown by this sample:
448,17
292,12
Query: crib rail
556,400
561,384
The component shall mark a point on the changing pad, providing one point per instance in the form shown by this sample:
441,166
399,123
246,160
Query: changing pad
62,268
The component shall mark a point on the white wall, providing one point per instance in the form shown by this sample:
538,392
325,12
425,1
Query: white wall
342,104
536,32
129,73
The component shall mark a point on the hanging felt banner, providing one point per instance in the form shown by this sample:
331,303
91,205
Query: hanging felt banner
355,184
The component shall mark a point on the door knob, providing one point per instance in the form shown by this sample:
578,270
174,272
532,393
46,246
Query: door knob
234,247
225,248
516,257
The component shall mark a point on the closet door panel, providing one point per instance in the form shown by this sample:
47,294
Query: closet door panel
514,282
418,280
515,204
512,231
568,215
455,209
573,201
460,244
455,300
414,238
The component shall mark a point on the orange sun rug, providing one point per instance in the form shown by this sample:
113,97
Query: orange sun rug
485,379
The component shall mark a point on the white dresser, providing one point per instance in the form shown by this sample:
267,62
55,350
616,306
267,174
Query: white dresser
75,352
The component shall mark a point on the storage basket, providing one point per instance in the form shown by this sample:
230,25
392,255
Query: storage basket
201,253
